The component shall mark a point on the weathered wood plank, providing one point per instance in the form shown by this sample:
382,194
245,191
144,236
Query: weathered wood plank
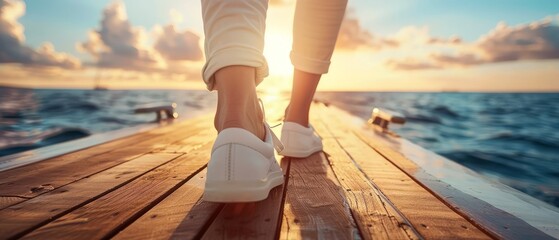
9,201
106,215
375,216
55,162
16,220
182,215
485,216
315,207
68,168
429,215
257,220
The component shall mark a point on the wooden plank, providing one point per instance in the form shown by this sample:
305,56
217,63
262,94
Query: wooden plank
17,220
483,215
9,201
431,217
315,207
43,153
182,215
110,213
56,162
375,216
69,168
258,220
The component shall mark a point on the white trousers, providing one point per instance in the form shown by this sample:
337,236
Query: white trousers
234,31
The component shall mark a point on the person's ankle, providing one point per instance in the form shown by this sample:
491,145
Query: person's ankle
251,120
298,121
303,121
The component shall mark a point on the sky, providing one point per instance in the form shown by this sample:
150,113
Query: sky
429,45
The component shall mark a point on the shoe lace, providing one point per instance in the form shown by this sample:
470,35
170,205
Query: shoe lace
276,141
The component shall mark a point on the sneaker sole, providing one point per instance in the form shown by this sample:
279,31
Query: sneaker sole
237,191
299,154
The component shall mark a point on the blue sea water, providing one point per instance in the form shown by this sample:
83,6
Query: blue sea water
510,137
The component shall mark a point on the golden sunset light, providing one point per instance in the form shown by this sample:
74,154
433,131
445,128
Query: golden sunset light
371,55
279,119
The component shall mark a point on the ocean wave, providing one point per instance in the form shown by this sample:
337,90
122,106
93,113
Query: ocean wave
57,107
43,139
518,137
85,106
445,111
12,115
513,138
423,119
496,163
113,120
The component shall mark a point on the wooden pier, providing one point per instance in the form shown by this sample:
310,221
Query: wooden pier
149,185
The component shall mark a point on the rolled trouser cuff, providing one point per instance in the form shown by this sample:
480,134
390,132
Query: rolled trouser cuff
309,65
234,57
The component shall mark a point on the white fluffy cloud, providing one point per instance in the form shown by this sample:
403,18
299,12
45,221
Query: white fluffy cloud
175,45
12,42
535,41
119,44
353,36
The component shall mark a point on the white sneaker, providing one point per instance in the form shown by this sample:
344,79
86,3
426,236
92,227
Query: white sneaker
242,168
299,141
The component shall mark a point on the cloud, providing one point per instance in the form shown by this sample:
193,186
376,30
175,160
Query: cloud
414,35
463,59
451,40
353,36
175,45
12,42
538,40
119,44
411,64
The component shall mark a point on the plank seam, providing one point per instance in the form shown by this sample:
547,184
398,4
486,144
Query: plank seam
463,215
101,170
384,199
386,157
351,213
53,218
149,206
280,215
17,196
210,221
76,180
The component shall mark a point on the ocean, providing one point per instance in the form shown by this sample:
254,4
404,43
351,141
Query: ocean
512,138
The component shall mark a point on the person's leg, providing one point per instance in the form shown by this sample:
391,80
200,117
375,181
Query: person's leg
237,103
234,31
304,86
242,165
315,30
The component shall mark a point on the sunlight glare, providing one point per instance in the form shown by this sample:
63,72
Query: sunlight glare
276,51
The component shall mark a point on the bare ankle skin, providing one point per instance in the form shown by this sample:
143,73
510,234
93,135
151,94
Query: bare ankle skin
304,87
237,105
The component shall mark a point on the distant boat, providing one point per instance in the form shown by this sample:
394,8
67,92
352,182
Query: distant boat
97,86
100,88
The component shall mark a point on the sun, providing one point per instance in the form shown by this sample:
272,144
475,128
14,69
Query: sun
276,51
